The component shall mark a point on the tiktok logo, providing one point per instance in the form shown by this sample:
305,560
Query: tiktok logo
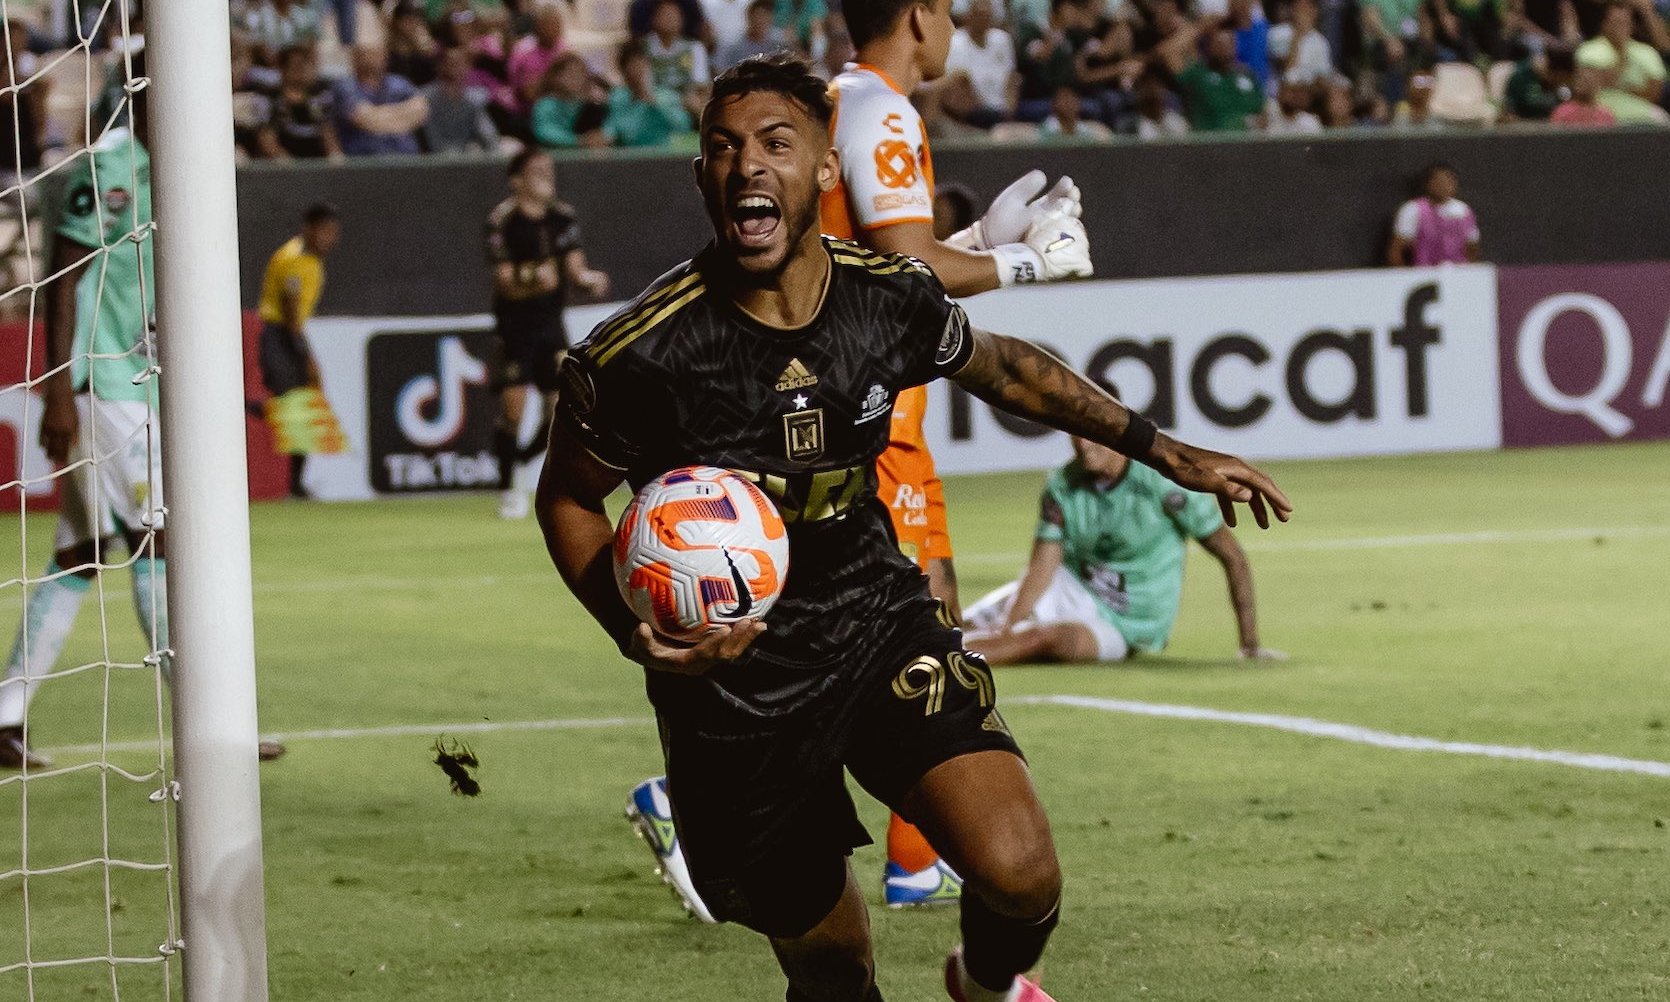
430,407
429,410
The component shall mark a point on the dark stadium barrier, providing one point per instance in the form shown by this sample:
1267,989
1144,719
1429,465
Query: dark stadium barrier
1206,206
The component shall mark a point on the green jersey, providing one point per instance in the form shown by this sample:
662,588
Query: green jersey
1125,542
107,199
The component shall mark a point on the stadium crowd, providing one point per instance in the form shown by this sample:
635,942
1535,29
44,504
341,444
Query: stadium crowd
343,78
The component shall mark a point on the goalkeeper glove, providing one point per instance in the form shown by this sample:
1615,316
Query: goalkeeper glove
1013,211
1055,247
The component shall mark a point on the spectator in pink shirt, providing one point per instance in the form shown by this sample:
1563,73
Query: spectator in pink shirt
1436,228
1583,107
533,55
485,45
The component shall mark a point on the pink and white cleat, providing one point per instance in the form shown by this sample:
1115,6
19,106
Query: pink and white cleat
1022,990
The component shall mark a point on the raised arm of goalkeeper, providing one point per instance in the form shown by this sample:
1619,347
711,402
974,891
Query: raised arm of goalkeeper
1027,235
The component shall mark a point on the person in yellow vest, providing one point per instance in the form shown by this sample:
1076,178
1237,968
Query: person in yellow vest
289,294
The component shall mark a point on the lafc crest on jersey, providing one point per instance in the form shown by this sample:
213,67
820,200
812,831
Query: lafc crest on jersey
803,434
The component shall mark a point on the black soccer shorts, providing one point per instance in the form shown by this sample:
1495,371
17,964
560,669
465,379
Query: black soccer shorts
531,356
283,363
761,803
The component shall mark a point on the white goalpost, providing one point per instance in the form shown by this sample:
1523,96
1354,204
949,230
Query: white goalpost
130,834
199,333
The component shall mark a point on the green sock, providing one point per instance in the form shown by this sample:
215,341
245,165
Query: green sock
150,601
49,615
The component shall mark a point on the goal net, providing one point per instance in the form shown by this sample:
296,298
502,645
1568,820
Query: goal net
88,899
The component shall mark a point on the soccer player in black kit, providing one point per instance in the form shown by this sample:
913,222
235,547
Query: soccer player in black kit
533,247
856,668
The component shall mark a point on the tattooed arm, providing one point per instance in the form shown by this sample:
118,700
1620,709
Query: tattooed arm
1025,380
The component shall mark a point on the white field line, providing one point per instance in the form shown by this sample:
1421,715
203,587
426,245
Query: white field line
1354,734
1294,725
11,599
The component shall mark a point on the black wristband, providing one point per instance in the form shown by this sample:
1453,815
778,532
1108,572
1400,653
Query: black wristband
1138,437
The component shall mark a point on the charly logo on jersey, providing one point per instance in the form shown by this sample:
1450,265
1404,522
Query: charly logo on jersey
795,377
803,431
876,403
1174,502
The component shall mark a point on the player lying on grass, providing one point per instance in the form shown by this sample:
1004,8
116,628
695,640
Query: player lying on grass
883,200
1106,574
856,671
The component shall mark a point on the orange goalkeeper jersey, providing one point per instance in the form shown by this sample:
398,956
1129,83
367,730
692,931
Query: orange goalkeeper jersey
907,483
887,179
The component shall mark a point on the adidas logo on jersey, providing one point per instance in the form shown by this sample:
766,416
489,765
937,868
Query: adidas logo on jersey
796,377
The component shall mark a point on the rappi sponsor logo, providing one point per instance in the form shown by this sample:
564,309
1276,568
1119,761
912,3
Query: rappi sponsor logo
431,413
1585,353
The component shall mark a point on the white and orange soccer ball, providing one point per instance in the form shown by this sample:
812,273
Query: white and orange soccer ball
700,547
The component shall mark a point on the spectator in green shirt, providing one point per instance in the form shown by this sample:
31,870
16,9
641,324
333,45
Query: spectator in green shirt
1047,58
1632,72
1398,37
640,113
1391,28
807,22
567,112
1219,94
1533,92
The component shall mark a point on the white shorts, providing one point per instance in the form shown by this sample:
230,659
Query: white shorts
120,488
1066,600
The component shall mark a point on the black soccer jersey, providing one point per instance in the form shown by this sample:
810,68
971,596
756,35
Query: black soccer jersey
682,377
526,242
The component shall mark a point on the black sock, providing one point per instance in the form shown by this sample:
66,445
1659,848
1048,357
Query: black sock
298,466
997,948
504,447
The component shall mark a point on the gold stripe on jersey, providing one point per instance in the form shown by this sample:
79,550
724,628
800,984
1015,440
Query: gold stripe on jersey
881,266
841,245
877,263
650,322
609,338
648,304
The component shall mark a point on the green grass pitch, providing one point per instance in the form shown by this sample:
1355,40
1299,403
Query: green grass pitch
1205,861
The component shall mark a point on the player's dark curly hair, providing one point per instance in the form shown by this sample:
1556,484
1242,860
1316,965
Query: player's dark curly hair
778,74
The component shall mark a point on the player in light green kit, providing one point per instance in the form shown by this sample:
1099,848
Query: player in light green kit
1106,574
99,414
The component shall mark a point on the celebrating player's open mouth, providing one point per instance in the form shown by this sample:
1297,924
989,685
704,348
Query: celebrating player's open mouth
755,218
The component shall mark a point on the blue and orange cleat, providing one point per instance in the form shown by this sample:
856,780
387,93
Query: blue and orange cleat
652,818
936,885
